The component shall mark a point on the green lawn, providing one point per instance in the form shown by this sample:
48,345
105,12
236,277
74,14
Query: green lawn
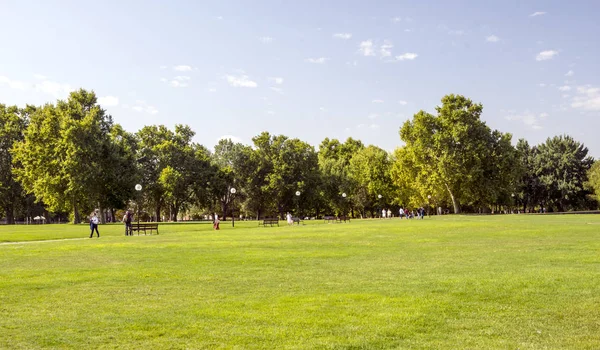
505,282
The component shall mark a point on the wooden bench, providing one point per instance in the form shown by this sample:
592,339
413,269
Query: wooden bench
269,221
144,226
342,218
328,218
297,221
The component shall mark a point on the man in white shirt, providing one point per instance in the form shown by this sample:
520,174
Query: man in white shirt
401,212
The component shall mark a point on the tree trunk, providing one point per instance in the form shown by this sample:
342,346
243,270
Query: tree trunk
175,213
10,215
76,219
454,201
158,218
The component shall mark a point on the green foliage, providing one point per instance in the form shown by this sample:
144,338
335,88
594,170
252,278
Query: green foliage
594,180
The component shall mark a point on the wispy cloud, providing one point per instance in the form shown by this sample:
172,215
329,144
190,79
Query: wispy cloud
397,19
542,85
373,116
240,81
456,32
212,90
344,36
569,73
319,60
108,101
538,13
276,80
13,84
546,55
183,68
402,102
265,39
366,48
492,39
58,90
530,119
587,98
377,101
40,77
407,56
374,126
142,107
277,90
163,67
386,49
565,88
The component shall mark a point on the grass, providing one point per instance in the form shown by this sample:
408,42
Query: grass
456,282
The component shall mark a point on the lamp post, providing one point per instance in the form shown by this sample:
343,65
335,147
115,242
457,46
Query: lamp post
428,203
138,188
513,201
345,203
232,190
298,193
379,209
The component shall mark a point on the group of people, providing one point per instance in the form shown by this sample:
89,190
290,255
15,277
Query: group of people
127,220
418,213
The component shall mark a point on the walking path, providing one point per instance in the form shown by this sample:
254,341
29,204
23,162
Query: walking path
44,240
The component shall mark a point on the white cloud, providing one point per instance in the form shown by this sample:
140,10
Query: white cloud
492,39
240,81
377,101
183,68
182,78
13,84
539,13
142,107
266,39
322,109
235,139
366,48
529,119
408,30
212,90
570,73
565,88
108,101
374,126
542,85
546,55
277,90
276,80
385,50
344,36
402,102
270,112
53,88
372,116
177,84
587,99
163,67
164,80
397,19
40,77
220,18
407,56
360,126
319,60
456,32
352,63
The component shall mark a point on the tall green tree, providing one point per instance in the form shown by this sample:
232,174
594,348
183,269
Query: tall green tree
594,180
452,150
561,164
13,122
370,171
59,160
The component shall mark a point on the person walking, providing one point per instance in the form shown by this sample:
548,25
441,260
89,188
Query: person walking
94,225
127,218
290,221
216,222
389,214
401,212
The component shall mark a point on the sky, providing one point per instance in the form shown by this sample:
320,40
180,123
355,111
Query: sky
310,69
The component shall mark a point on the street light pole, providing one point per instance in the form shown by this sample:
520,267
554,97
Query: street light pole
428,203
379,209
233,190
138,188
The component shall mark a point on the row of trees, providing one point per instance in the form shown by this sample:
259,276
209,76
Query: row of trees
71,158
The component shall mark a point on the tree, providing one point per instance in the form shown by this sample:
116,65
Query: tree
13,122
453,151
594,180
370,172
59,159
561,164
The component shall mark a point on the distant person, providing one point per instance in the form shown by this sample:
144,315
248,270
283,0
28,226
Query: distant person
216,222
289,219
389,214
401,213
94,225
383,212
127,218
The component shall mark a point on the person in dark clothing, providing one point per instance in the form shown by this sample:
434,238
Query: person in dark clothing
127,220
94,225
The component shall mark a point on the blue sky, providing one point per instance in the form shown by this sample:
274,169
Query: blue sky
310,69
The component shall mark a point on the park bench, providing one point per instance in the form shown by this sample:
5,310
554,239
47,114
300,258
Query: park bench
297,221
328,218
269,221
144,226
342,218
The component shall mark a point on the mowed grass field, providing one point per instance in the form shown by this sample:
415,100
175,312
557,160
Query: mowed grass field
455,282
